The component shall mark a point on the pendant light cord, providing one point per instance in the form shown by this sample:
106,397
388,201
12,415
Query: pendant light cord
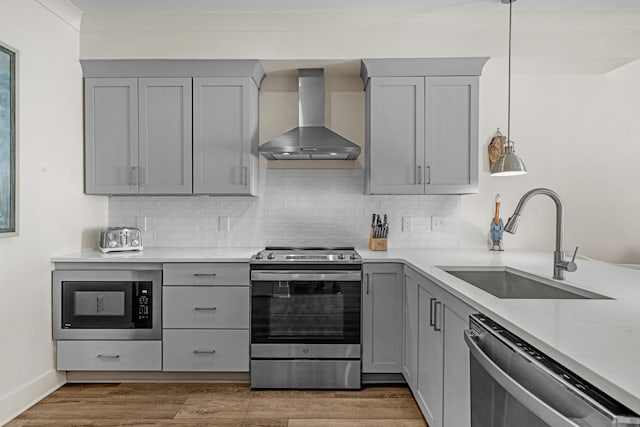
509,83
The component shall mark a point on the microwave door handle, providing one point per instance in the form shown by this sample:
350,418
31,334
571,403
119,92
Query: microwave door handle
541,409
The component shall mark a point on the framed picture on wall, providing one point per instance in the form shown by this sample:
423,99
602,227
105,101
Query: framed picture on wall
8,209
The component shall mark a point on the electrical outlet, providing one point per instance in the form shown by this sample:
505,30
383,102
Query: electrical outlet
407,224
141,223
223,223
438,223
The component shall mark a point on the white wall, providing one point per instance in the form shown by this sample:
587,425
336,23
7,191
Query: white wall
55,217
572,116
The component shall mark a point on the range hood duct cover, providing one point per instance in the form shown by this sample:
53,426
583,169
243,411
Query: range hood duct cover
310,140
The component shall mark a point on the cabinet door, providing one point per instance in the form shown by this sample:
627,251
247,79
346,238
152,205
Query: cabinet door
429,387
410,328
451,135
111,135
395,135
165,135
223,128
382,318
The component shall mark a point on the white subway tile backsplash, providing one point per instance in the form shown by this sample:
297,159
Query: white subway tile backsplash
295,207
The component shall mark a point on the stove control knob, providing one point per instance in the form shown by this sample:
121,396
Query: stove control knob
259,255
341,256
271,255
353,255
134,243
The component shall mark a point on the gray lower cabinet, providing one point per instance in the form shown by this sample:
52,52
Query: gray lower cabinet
382,318
205,317
187,350
410,327
138,136
421,125
225,141
171,127
435,359
109,355
429,378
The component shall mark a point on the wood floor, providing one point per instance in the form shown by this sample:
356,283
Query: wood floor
198,404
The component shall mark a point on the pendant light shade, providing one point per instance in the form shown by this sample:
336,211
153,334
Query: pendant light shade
508,164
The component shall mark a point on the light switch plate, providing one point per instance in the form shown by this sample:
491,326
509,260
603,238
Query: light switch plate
223,223
438,223
407,224
141,223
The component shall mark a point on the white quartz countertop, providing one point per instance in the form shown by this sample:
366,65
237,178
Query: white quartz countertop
598,339
163,255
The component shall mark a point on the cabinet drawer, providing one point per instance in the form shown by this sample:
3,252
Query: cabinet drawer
205,307
206,350
206,274
109,355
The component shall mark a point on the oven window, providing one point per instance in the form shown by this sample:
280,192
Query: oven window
305,311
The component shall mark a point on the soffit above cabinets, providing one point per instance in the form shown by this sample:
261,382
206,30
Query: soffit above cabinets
118,6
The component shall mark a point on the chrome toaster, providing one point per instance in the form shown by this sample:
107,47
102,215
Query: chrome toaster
118,239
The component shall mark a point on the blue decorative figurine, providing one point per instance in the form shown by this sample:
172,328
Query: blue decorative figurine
497,227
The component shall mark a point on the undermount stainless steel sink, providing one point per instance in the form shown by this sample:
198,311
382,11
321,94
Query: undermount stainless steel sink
509,283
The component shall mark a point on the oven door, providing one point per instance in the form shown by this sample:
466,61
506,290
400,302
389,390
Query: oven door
305,307
91,305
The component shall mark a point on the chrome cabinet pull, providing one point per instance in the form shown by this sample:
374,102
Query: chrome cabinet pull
142,177
428,177
431,322
204,351
108,356
133,176
435,317
205,274
367,277
419,174
205,308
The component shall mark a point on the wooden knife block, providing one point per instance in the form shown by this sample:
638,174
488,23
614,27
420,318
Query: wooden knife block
377,244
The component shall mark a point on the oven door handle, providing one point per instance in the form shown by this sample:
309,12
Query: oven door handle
532,402
306,275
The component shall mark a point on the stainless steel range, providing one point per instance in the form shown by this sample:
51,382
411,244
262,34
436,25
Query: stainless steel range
305,318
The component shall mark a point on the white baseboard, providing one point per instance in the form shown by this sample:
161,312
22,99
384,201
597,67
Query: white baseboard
18,401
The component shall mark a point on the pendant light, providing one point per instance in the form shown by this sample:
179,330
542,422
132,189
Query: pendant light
508,164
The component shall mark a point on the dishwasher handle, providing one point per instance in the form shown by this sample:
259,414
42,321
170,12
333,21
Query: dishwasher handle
532,402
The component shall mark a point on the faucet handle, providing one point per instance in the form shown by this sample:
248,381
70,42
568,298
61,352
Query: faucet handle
573,258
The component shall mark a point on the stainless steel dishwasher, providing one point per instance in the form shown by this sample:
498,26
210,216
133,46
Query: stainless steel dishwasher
514,384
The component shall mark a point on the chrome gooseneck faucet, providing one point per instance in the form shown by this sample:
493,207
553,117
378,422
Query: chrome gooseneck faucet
559,264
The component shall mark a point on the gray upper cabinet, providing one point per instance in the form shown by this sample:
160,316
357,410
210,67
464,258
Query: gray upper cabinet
138,135
111,135
171,126
395,153
421,125
164,135
225,127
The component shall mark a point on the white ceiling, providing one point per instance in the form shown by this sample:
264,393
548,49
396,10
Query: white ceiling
98,6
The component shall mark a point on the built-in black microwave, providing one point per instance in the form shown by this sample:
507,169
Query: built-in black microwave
106,304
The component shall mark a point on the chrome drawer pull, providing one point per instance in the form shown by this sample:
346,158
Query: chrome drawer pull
108,356
204,351
205,308
205,274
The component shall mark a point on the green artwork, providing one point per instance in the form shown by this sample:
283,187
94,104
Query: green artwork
7,140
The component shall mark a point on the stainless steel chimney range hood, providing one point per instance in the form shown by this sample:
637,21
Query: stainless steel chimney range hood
311,140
